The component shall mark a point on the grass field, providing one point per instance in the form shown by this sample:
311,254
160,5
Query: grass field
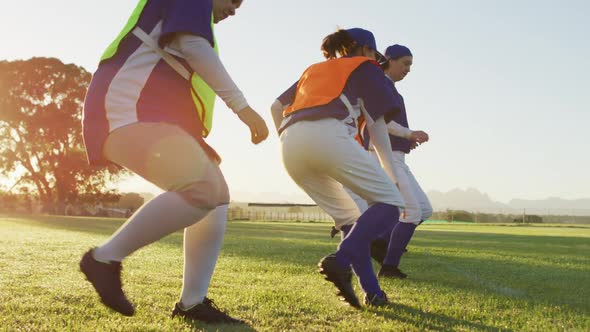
462,277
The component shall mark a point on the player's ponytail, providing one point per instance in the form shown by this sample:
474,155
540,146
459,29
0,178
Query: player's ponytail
340,43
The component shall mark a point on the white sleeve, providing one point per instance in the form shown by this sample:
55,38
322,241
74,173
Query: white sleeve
204,61
398,130
277,113
382,144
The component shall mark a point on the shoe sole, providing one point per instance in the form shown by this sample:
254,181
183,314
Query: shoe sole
344,293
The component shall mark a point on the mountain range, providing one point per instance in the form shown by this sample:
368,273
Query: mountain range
472,199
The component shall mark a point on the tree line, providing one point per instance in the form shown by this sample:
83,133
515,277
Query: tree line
41,145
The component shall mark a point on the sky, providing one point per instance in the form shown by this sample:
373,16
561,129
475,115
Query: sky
500,86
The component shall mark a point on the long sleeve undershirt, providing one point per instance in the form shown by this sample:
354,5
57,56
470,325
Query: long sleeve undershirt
380,140
204,61
396,129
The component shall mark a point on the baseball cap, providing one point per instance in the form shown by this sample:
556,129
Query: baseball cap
397,51
366,38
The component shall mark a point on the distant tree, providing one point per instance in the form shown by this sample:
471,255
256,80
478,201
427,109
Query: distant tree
41,103
27,202
487,218
8,202
529,218
458,215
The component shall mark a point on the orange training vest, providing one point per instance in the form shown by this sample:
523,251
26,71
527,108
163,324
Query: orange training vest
323,82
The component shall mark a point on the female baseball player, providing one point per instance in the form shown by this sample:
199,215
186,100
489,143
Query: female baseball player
417,205
418,208
317,123
147,109
388,248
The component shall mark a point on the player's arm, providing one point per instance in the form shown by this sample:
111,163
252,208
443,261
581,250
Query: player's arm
417,136
281,103
205,62
380,140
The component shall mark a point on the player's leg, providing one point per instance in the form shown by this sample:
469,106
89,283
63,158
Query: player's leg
326,147
331,197
168,157
361,205
423,201
356,170
379,245
171,159
404,230
202,244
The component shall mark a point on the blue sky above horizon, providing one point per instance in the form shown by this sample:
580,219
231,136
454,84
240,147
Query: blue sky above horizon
501,87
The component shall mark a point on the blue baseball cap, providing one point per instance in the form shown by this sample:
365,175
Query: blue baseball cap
364,37
397,51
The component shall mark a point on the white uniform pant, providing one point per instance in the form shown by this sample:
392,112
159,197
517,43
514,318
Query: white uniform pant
322,156
418,206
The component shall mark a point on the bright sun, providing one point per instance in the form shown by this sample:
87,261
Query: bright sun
6,182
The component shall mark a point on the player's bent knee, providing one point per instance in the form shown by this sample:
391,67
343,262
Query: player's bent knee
205,197
208,192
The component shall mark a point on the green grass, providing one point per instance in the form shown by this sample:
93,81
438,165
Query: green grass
462,277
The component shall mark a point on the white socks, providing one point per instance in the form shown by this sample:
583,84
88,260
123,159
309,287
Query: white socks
202,243
163,215
168,212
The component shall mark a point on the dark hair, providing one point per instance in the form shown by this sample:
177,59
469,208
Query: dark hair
385,65
338,43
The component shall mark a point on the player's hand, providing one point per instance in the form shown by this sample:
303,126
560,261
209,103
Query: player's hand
413,145
419,137
258,128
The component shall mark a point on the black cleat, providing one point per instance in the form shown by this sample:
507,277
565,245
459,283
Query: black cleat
106,280
379,250
206,312
374,300
390,271
341,277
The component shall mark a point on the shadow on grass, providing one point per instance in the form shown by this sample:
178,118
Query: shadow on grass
197,326
431,321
